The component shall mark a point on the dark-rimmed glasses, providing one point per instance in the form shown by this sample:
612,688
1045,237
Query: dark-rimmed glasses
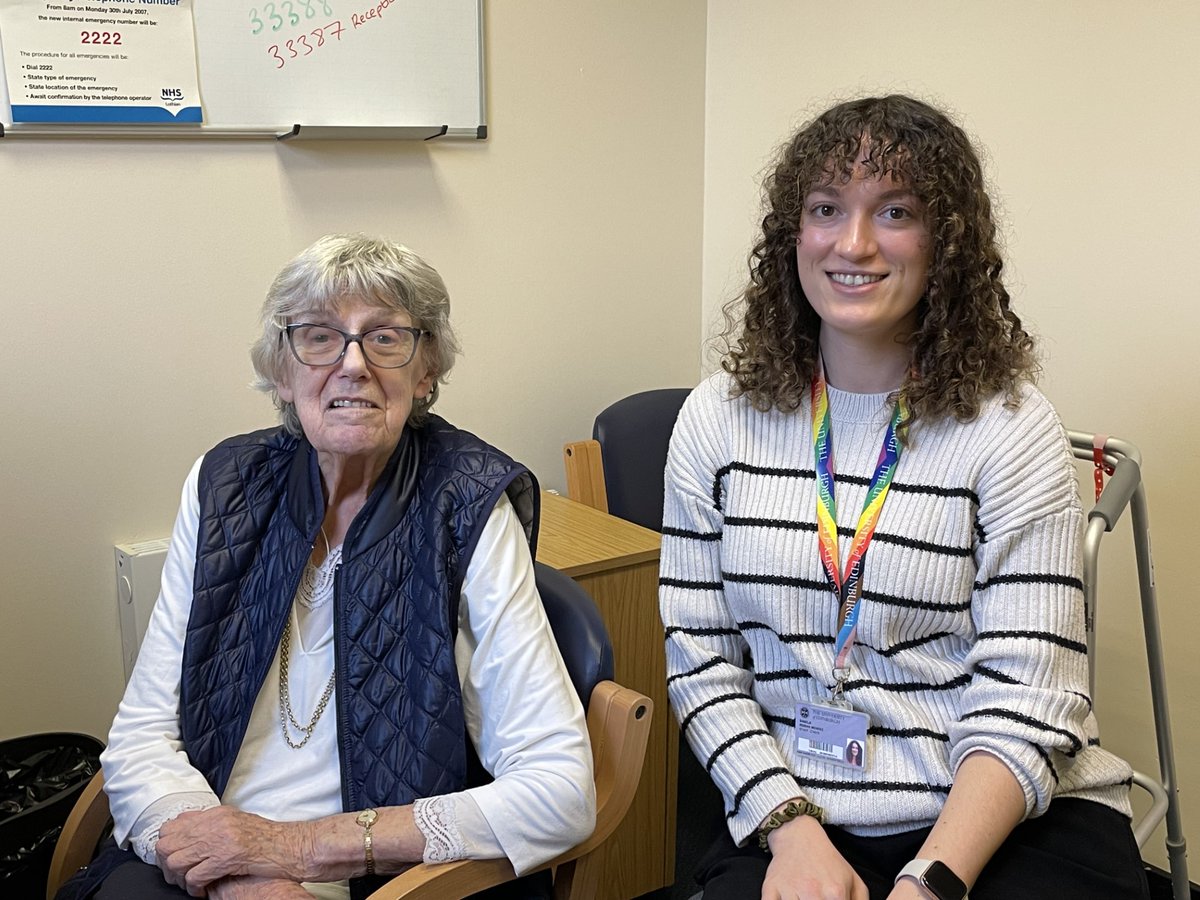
389,347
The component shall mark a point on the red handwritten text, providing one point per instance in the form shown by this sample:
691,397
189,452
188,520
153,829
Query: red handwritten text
359,19
300,45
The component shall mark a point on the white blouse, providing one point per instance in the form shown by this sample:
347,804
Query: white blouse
521,713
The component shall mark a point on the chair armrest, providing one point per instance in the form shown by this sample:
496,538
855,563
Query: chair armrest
81,833
443,881
585,474
619,724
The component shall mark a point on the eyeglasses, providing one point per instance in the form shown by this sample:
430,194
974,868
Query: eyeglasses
391,347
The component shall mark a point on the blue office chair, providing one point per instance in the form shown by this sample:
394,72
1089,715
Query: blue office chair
620,470
618,721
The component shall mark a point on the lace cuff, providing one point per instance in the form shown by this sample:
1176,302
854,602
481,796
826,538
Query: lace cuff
437,818
146,828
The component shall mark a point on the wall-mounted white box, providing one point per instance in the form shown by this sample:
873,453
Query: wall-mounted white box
139,575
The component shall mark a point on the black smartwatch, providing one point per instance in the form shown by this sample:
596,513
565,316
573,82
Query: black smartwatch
935,879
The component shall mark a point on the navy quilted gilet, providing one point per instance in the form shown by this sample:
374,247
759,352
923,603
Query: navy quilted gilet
401,730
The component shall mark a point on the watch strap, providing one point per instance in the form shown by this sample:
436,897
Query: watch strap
936,879
366,819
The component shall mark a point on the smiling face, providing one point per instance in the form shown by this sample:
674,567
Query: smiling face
352,412
863,254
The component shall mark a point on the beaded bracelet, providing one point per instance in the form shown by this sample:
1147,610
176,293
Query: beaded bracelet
792,810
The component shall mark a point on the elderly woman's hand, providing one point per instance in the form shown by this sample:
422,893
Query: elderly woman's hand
197,849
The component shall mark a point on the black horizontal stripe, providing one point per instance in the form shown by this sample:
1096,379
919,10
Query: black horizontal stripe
775,580
877,730
751,785
784,524
1030,721
1048,636
882,536
779,472
752,625
796,638
1030,578
715,661
922,546
909,644
882,731
736,739
861,786
934,491
691,535
782,675
787,638
907,687
814,585
1084,697
690,585
701,631
1093,742
912,603
994,674
708,704
1041,751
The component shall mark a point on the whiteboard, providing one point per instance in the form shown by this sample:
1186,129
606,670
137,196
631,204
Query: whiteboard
393,64
411,67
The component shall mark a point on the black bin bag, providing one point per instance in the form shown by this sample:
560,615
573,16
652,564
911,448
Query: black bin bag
41,776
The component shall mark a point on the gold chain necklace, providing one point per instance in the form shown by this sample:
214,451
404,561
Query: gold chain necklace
285,701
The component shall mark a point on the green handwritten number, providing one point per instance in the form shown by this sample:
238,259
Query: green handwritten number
309,12
258,23
274,51
273,16
292,17
326,7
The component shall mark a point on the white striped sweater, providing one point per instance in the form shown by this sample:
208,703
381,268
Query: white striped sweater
971,633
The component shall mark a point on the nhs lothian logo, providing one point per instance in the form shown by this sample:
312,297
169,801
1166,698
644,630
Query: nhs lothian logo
175,94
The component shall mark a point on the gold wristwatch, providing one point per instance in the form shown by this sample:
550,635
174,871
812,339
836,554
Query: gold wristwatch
366,819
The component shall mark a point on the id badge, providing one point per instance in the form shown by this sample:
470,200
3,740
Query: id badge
833,734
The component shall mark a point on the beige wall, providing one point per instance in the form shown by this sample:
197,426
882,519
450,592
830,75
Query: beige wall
572,244
130,275
1087,111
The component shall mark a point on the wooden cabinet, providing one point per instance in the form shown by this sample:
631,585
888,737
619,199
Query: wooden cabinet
616,562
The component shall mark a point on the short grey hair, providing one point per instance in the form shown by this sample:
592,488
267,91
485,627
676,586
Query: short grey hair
354,266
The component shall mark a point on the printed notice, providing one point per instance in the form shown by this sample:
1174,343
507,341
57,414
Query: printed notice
100,61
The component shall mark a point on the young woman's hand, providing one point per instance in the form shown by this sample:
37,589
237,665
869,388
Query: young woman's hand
806,866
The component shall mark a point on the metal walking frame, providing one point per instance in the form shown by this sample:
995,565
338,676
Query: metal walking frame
1123,462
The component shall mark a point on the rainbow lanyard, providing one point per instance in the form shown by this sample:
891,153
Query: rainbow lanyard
847,588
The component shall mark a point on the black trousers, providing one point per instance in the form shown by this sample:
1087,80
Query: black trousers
136,880
1078,850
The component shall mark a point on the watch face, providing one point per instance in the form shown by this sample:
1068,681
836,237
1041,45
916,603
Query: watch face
944,883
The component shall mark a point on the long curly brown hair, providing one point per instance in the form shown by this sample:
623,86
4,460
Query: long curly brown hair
968,345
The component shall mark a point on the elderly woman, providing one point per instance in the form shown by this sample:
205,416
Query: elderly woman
348,609
871,535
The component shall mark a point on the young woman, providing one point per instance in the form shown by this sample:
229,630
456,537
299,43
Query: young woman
871,535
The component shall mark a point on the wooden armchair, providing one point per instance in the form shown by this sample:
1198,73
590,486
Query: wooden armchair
618,721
